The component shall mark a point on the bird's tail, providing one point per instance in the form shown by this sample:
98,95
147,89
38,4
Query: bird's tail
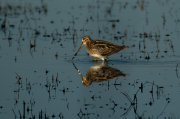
126,47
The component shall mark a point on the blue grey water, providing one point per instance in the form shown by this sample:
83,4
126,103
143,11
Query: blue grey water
38,78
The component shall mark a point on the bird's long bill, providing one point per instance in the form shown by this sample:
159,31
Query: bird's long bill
78,70
77,51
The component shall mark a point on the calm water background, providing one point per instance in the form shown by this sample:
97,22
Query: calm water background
39,38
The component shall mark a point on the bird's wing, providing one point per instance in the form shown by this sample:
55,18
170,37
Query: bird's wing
106,48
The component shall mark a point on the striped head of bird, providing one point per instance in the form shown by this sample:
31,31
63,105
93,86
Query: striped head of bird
84,40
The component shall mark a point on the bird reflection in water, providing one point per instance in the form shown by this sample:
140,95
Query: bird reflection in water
99,72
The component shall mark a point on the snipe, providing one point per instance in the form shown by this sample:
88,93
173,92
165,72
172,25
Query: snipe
99,48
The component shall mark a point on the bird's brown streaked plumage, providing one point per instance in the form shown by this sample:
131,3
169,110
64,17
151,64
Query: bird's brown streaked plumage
99,48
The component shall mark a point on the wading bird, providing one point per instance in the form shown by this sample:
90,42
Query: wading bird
99,48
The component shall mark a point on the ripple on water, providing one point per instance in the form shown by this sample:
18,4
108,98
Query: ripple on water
127,62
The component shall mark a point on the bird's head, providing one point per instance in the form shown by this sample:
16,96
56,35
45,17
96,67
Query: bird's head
85,39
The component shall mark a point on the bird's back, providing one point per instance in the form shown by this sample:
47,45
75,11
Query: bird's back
103,48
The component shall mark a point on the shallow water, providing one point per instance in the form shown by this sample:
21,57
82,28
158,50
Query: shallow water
39,79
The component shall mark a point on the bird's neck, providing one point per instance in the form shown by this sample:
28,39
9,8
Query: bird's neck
88,43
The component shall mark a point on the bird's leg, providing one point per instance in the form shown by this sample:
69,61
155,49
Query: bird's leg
103,60
107,59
